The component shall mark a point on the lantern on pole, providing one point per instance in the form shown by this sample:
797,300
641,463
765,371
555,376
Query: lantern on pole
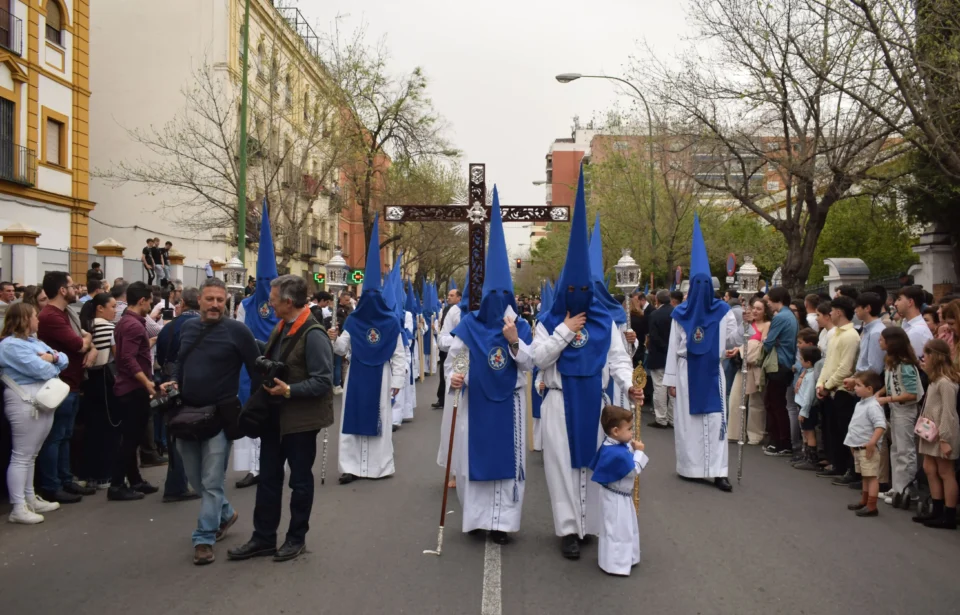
337,272
748,278
628,272
233,275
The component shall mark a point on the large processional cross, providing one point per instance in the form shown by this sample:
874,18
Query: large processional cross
477,214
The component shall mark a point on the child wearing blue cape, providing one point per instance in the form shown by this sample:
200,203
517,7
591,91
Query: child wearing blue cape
619,459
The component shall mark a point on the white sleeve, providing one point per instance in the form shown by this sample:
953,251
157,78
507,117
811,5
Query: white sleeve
398,365
640,460
734,334
449,324
670,370
342,345
630,348
456,347
537,382
546,348
524,357
621,366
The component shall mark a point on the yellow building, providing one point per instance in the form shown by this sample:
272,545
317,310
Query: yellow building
44,115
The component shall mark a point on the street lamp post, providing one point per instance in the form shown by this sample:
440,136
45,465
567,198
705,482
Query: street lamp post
567,78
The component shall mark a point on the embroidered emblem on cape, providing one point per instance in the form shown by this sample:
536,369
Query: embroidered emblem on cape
698,335
580,339
264,310
497,359
373,336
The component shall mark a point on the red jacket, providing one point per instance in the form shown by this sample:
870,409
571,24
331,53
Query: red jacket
133,353
57,332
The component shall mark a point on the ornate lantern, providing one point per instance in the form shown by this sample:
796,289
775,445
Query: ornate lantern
777,279
748,278
628,272
233,275
337,271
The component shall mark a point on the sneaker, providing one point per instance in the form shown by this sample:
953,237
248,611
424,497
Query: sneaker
145,488
888,499
23,515
845,480
797,458
123,494
38,505
829,472
888,494
203,555
770,450
338,390
784,452
807,465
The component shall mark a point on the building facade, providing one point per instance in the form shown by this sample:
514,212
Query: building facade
44,126
289,129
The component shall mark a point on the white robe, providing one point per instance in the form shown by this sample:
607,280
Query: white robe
618,549
434,359
620,396
490,505
413,366
537,427
574,498
370,456
701,450
444,340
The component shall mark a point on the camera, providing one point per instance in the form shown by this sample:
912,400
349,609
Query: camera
270,370
165,401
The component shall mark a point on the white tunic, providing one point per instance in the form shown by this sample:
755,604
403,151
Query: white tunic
370,456
413,367
702,450
573,496
620,396
619,545
490,505
537,427
434,359
444,340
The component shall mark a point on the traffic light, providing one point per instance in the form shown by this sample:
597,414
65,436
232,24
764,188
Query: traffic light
519,263
356,276
319,278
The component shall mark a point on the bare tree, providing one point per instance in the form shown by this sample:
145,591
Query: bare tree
758,93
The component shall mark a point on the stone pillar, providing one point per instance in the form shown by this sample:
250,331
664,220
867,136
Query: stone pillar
20,257
176,264
111,251
845,271
936,259
218,264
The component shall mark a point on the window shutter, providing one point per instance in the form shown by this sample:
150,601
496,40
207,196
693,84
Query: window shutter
53,142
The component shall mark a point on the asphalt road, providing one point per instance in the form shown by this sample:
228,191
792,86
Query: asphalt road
782,542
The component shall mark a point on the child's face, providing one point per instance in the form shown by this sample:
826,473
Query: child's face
806,364
862,390
883,344
622,432
823,320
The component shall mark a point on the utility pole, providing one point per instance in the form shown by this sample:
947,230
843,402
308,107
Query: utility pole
242,188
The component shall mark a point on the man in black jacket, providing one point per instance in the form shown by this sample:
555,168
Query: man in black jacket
658,339
453,299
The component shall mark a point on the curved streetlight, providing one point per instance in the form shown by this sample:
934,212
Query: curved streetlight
569,77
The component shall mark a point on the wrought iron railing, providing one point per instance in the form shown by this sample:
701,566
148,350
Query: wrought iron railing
11,32
18,164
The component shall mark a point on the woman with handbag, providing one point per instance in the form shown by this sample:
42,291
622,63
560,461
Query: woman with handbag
939,431
101,435
27,365
756,321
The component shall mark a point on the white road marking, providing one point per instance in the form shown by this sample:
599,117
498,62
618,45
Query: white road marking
491,604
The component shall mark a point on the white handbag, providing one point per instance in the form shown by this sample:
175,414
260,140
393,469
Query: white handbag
48,398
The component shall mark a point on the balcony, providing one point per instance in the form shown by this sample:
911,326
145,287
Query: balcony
18,164
11,32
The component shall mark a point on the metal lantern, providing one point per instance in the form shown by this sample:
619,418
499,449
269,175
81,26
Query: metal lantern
337,271
234,274
748,278
777,279
628,272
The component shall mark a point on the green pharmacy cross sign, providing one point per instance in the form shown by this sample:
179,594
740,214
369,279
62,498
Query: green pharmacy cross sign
356,276
319,278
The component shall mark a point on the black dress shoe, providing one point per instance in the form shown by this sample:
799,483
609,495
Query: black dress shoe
570,547
152,461
248,481
251,549
289,551
123,494
723,484
145,488
856,485
181,497
845,480
346,479
60,496
395,428
437,406
501,538
657,425
587,539
78,489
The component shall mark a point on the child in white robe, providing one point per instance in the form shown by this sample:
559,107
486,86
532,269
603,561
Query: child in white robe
619,459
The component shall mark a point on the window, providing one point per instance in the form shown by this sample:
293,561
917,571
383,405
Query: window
306,106
289,93
54,23
261,63
240,45
54,155
345,245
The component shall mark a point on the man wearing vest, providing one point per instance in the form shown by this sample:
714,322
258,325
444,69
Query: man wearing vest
305,406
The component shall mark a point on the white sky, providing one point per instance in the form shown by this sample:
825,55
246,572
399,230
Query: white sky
491,67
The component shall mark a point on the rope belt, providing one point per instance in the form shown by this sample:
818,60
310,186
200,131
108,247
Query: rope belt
617,491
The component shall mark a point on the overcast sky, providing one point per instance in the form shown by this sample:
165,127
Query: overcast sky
491,67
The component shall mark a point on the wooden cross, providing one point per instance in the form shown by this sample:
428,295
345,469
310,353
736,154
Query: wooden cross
477,214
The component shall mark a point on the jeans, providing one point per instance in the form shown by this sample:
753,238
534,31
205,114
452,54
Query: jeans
662,402
299,450
159,430
134,412
205,464
176,481
903,445
53,462
793,411
337,371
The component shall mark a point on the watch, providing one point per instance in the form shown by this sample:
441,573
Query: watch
286,393
515,346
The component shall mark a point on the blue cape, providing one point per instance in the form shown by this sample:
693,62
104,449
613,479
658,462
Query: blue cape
612,463
535,398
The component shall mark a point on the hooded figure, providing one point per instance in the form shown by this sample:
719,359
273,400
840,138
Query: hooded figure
371,340
491,426
703,329
539,388
573,358
412,328
429,309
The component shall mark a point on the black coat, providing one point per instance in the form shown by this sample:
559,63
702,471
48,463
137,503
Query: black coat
658,324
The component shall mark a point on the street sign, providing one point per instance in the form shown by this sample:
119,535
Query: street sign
319,278
678,277
730,279
731,265
356,276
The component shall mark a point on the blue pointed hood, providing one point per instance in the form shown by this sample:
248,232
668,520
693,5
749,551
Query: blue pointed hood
373,330
700,315
596,271
464,304
575,289
410,299
452,285
497,282
258,315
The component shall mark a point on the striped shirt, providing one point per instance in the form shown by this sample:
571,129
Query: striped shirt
103,340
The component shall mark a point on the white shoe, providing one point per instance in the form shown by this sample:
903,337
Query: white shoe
888,499
38,505
889,494
338,390
22,514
